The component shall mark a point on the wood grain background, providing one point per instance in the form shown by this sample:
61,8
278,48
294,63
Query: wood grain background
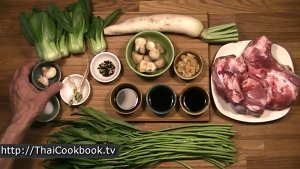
271,145
116,44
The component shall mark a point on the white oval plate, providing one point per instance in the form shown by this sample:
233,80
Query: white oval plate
98,59
280,54
67,90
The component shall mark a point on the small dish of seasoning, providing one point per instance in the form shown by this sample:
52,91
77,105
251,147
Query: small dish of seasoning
194,100
71,84
161,99
105,67
44,74
51,110
188,65
126,98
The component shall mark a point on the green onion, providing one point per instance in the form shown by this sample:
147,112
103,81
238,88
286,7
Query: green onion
142,149
221,34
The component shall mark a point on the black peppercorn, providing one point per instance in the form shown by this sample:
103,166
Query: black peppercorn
106,68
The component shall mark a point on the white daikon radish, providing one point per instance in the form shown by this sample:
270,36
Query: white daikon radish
175,23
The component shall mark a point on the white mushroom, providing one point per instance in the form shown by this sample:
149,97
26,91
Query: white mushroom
137,58
151,67
150,45
146,66
159,47
140,45
142,66
160,63
147,58
154,54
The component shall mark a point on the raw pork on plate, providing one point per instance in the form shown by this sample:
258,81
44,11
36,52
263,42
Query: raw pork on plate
255,81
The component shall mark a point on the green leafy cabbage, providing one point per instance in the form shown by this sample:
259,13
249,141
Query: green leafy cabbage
40,31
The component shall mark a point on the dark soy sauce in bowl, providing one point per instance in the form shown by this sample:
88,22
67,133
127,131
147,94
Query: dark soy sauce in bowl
161,99
194,99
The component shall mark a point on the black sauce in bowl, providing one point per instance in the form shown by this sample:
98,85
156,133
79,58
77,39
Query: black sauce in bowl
194,99
161,99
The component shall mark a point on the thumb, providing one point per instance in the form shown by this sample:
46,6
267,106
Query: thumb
53,89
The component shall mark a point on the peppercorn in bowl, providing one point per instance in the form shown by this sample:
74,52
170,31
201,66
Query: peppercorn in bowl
105,67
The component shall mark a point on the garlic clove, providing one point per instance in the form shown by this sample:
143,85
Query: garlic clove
44,81
44,70
49,72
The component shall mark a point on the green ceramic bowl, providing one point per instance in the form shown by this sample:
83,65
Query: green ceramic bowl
155,36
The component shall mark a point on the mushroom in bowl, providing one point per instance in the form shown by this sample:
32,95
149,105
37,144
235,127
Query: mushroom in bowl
149,53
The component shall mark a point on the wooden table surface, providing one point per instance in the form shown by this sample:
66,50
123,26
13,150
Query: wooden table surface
273,145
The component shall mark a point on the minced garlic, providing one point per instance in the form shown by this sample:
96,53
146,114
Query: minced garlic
188,65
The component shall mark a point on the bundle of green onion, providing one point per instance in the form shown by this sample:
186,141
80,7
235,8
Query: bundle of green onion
221,34
142,149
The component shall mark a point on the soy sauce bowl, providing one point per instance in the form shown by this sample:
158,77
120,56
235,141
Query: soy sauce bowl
194,100
126,98
161,99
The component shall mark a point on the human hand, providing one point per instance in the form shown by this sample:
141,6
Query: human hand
26,102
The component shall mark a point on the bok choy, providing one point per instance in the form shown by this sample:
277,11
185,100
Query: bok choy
95,35
40,31
61,41
80,15
75,21
57,33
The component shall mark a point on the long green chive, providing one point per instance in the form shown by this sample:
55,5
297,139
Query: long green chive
143,149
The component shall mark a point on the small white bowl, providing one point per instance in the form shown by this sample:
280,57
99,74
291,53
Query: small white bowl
67,90
100,58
